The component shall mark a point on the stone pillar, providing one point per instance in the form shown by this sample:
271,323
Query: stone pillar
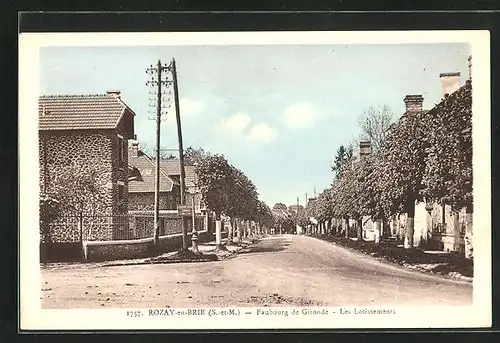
456,231
205,224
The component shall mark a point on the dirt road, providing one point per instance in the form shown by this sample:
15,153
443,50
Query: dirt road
284,270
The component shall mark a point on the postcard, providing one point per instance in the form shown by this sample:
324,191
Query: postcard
254,180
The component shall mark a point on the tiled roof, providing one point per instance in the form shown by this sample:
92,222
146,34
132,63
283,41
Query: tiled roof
172,167
70,112
281,213
145,180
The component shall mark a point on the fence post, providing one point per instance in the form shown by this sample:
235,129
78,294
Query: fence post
80,229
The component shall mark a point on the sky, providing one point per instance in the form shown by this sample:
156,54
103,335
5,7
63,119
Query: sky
277,112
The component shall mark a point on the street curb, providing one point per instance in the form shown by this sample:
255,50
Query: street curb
448,276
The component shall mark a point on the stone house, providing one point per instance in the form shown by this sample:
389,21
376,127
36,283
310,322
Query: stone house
142,189
86,132
436,226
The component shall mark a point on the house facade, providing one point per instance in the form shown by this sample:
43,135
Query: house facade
80,134
142,182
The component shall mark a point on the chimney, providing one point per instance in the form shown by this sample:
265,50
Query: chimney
133,150
115,93
450,82
470,67
365,149
413,103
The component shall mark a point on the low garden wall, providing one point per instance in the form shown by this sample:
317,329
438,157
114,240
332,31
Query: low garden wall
121,250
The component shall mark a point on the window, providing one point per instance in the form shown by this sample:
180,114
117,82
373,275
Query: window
120,192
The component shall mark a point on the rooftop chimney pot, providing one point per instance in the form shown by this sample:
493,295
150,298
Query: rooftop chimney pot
115,93
365,149
413,102
450,82
133,150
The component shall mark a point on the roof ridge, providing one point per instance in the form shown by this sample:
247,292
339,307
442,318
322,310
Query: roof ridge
72,95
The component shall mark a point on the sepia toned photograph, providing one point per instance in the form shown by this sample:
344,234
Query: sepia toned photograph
330,184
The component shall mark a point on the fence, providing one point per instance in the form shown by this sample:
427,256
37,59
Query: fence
72,229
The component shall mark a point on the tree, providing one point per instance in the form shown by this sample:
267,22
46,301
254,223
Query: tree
242,197
339,160
214,180
448,166
280,206
193,156
374,124
50,210
402,167
264,215
343,157
79,191
369,192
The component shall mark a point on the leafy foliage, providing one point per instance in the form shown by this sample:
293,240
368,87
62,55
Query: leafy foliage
448,169
402,164
214,176
344,157
50,208
423,156
264,215
280,206
194,156
79,190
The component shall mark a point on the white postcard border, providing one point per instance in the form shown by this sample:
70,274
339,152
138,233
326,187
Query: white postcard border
34,318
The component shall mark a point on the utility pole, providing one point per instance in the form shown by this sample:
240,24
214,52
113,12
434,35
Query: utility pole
158,82
181,154
297,214
157,169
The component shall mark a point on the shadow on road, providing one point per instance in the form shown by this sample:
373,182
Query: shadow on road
268,245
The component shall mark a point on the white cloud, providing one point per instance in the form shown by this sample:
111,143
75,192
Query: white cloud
262,132
300,115
235,124
190,107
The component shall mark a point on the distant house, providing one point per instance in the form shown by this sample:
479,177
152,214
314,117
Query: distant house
142,179
142,184
86,131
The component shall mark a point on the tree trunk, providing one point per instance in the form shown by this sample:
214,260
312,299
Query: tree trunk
80,231
410,224
456,231
360,228
346,226
218,231
230,231
238,230
469,251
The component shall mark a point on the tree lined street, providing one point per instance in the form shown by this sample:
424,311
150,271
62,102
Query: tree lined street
288,270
